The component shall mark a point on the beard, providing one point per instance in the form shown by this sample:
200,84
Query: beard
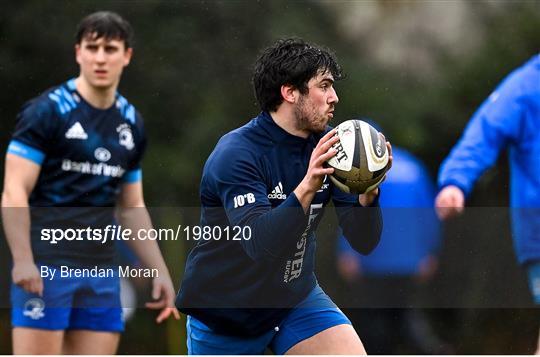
308,118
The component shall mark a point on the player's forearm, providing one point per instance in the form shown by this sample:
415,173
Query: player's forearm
362,226
137,219
275,233
16,222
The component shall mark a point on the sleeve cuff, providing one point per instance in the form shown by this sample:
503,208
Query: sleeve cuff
25,151
132,176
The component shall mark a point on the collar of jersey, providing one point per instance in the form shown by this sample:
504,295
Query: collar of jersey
70,86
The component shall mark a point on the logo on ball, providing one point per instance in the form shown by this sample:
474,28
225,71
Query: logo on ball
361,160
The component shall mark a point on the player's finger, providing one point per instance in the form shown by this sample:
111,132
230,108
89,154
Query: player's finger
166,313
390,156
33,286
324,171
442,213
26,285
39,287
389,146
327,136
324,146
156,304
326,156
176,313
460,202
163,315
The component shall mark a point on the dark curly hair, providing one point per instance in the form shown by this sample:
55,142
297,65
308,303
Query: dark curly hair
289,61
106,24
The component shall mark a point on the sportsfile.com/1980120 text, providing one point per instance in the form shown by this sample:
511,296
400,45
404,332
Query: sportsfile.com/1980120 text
118,233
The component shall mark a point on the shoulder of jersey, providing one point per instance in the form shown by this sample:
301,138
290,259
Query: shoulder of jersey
127,110
66,99
63,97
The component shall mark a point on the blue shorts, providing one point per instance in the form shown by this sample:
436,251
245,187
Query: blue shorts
533,271
70,303
314,314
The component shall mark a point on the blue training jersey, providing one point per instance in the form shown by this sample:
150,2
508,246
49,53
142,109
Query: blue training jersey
509,118
85,154
411,228
246,287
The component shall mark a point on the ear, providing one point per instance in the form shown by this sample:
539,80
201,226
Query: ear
127,56
289,93
78,53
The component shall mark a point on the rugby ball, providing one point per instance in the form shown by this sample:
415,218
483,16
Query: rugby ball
362,158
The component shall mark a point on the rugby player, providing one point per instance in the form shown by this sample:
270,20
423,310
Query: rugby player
78,145
244,296
508,119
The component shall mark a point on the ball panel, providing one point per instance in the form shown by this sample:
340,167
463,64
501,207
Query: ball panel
345,147
358,154
374,148
362,158
340,183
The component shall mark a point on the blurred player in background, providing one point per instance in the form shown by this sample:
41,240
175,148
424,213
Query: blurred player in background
269,175
508,119
387,283
79,144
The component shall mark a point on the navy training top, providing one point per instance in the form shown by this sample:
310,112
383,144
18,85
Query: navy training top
247,286
85,155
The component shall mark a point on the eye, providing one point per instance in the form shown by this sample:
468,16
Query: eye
92,48
111,49
326,85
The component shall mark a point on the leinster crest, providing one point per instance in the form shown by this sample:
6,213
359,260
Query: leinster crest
125,136
33,309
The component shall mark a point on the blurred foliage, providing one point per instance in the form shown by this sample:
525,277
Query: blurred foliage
190,78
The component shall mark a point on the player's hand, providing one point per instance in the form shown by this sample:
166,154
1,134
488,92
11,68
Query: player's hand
449,202
367,198
390,156
27,276
348,267
427,267
316,172
163,295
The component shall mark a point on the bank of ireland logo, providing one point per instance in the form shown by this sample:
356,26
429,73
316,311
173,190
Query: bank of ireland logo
125,136
33,309
102,154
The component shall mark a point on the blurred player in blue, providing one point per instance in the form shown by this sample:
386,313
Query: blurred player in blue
386,284
246,295
508,119
77,145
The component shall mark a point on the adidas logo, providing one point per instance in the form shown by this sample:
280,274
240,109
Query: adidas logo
76,132
277,193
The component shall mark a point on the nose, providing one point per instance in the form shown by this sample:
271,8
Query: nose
100,55
333,97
